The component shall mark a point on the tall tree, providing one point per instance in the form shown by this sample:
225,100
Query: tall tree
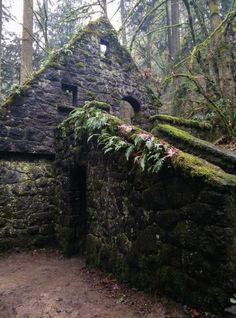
103,5
123,17
42,18
224,59
27,41
169,33
1,15
175,26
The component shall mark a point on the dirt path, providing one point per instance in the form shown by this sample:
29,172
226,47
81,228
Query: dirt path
44,285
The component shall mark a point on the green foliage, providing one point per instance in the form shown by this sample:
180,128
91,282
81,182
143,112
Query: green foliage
146,151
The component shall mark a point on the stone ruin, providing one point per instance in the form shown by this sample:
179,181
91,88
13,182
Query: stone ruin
173,232
81,71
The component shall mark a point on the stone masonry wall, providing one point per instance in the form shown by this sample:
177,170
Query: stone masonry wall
27,203
170,232
79,72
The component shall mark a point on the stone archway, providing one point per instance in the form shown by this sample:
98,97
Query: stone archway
129,109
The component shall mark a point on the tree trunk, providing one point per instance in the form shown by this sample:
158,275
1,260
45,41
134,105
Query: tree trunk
148,52
214,7
103,5
225,62
0,49
123,16
169,34
45,9
27,41
175,28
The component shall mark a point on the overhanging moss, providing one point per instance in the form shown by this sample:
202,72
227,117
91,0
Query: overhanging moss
188,164
204,149
197,167
180,121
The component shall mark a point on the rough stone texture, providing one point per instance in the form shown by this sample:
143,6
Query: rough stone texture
27,204
171,232
78,73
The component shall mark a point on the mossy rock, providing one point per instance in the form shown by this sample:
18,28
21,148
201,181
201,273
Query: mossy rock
198,168
180,121
199,147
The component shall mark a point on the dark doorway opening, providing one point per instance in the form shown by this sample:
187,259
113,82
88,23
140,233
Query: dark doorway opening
133,102
78,207
72,91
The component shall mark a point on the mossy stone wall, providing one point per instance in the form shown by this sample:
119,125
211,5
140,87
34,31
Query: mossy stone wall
28,204
79,72
171,232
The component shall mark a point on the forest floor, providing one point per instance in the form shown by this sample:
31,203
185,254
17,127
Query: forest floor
42,284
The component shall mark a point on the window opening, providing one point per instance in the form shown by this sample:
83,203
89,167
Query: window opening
72,91
129,110
104,46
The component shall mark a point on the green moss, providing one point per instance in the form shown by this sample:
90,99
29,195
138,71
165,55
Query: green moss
155,100
85,53
93,96
16,91
123,242
99,105
137,117
179,121
200,168
53,57
176,132
197,146
187,163
80,64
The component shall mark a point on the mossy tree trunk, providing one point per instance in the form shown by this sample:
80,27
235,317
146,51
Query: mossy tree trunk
172,21
224,60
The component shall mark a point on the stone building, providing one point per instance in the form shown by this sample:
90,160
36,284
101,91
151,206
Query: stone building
173,231
93,65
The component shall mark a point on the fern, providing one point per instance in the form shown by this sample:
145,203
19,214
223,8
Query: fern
143,149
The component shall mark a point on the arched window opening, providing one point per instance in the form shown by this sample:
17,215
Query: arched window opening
104,46
133,102
129,110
